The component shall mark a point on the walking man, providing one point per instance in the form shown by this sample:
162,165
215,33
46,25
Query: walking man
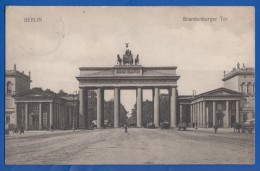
215,128
125,128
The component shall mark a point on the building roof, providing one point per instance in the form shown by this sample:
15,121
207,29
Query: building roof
239,71
39,93
17,73
219,92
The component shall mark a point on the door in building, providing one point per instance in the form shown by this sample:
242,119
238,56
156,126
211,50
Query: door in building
220,121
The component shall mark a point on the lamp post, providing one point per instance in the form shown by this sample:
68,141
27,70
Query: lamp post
74,109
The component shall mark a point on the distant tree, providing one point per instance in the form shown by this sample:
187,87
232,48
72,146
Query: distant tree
133,118
164,108
147,111
122,116
62,93
108,109
92,106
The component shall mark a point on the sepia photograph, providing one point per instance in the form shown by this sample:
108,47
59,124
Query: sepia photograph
129,85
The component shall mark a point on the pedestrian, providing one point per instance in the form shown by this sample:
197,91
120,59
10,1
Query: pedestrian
51,128
125,128
21,130
215,128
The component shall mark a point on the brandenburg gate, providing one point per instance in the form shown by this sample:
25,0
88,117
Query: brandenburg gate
127,74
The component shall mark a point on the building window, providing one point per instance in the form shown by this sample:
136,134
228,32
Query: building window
219,106
243,88
244,117
7,119
244,102
249,88
9,88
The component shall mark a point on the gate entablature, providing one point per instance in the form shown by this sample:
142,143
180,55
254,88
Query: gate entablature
121,75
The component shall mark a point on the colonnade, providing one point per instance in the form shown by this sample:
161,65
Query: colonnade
83,98
26,115
200,113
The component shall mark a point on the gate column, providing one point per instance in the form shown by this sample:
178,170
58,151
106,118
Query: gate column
156,107
173,106
100,99
237,111
139,100
26,116
214,113
83,97
116,107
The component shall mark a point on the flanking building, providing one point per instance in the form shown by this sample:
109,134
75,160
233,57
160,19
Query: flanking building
37,109
15,82
225,106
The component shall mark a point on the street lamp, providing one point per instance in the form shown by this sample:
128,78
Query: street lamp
74,109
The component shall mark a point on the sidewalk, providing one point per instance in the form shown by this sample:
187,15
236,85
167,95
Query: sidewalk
220,130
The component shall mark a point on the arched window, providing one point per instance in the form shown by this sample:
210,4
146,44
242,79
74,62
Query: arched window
249,88
243,88
9,87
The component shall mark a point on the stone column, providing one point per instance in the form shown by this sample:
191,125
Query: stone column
100,109
204,114
139,100
116,107
191,115
237,111
40,116
173,107
214,112
195,113
16,114
82,123
207,117
26,116
180,113
201,114
51,114
226,117
156,107
198,113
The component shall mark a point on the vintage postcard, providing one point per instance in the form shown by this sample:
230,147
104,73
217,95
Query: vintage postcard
87,85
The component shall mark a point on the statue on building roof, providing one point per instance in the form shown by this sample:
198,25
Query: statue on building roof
137,59
119,60
224,73
127,58
238,65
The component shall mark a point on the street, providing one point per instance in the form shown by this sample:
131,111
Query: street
138,146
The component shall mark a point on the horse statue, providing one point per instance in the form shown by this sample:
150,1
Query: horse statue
137,59
119,60
128,58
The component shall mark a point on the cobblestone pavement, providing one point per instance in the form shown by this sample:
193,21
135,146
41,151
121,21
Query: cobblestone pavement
138,146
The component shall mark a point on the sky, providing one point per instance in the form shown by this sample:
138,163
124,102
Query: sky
66,38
